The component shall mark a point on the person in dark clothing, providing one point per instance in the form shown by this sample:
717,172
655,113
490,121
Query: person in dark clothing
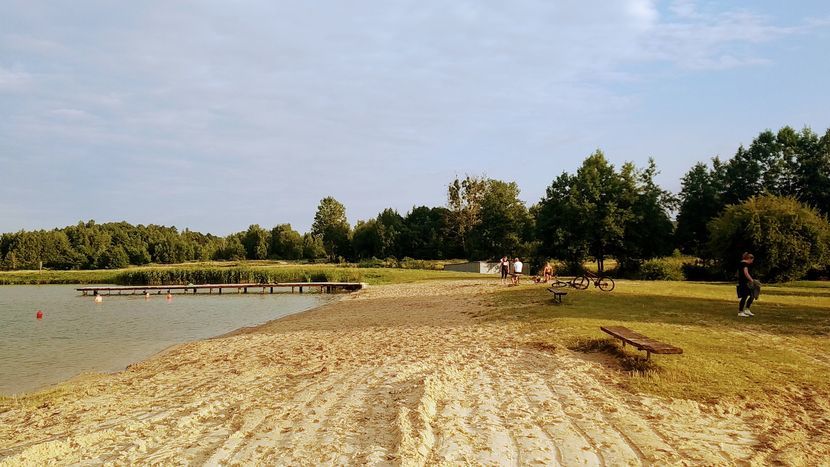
504,266
745,281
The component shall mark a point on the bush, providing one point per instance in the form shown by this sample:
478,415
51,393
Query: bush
699,272
786,237
405,263
819,274
662,269
114,258
180,276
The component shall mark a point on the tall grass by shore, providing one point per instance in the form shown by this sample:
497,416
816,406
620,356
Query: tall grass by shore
241,275
230,273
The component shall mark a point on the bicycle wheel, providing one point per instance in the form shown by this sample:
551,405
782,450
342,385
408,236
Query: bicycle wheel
606,284
581,282
557,284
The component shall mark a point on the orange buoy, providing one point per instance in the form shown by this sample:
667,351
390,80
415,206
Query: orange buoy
39,314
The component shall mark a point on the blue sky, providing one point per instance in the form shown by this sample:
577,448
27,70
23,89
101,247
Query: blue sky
214,116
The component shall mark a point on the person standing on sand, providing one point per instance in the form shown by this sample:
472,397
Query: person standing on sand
504,266
517,271
745,282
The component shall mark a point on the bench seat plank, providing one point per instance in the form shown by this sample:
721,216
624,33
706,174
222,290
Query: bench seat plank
557,295
640,341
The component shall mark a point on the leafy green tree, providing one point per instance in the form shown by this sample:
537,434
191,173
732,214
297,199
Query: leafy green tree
557,224
390,230
256,242
503,222
700,202
598,206
114,258
787,238
366,240
313,247
332,227
649,232
286,243
790,148
600,212
812,170
464,202
233,249
428,234
766,154
787,163
743,177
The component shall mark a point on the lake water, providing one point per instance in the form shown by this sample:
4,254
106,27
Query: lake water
77,335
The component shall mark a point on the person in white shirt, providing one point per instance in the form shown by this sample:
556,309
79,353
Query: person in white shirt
517,270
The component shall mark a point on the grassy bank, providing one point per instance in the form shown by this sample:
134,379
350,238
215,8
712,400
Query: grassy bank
785,347
228,272
775,365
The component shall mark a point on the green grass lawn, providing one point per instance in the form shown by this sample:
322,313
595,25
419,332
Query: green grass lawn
782,351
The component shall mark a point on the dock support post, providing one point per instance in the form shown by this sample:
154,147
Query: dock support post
246,290
220,290
272,290
301,290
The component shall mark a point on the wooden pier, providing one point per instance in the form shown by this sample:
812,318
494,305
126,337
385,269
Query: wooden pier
324,287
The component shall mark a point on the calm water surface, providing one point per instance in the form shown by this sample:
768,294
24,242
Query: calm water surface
78,335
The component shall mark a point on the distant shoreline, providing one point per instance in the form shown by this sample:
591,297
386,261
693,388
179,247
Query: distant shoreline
228,272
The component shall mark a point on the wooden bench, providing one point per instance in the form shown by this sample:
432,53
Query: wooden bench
557,295
640,341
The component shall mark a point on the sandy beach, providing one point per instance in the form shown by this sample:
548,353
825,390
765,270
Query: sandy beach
394,375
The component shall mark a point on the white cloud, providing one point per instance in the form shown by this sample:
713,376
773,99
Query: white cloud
13,80
262,94
700,39
72,114
684,8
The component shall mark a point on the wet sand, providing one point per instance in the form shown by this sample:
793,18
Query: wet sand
403,374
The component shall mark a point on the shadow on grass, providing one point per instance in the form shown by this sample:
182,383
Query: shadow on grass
774,291
770,317
626,361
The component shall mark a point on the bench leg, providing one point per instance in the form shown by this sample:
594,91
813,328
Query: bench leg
648,355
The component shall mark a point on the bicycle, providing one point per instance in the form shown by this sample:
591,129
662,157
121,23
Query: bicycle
558,284
604,283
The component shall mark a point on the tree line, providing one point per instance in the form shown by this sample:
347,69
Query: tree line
598,212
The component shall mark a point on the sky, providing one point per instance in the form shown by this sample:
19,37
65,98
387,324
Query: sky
217,115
